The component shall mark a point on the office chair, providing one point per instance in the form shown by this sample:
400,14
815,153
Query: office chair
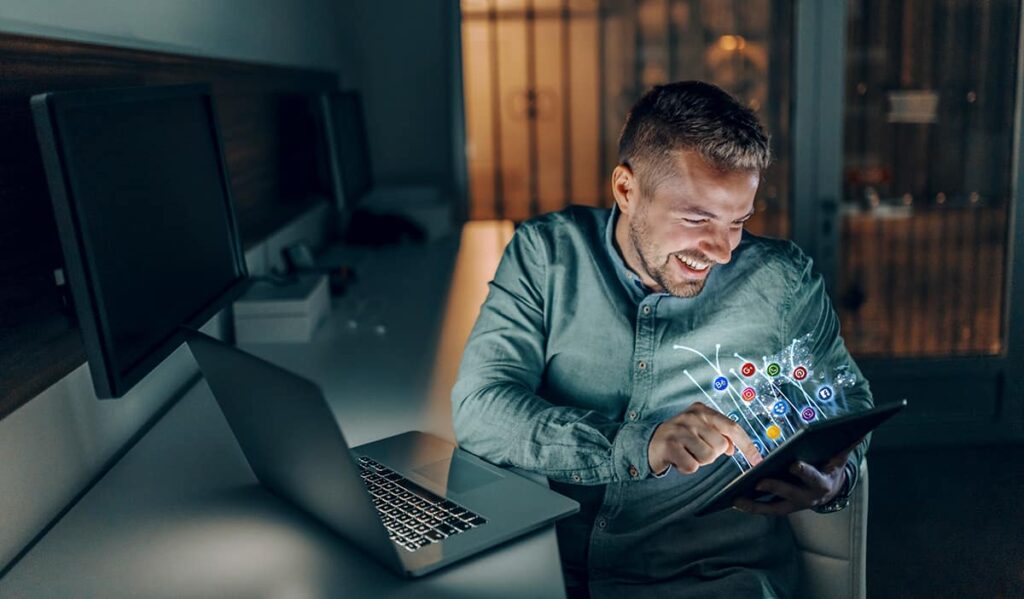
833,547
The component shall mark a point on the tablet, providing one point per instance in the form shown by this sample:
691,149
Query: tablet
816,445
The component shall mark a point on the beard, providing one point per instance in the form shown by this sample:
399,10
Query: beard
660,268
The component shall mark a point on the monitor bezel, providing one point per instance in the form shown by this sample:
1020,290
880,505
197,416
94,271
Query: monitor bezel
80,269
328,106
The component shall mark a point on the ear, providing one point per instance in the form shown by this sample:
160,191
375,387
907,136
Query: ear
625,188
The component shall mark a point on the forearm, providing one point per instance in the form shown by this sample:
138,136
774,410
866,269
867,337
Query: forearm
508,424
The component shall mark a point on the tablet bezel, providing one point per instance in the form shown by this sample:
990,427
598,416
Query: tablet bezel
814,444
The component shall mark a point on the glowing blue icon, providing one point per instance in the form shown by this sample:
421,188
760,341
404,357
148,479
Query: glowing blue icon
758,446
721,383
808,414
825,393
780,408
734,416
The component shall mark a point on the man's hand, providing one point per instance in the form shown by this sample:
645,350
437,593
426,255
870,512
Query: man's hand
816,488
695,438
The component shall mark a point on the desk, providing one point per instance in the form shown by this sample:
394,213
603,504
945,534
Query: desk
182,515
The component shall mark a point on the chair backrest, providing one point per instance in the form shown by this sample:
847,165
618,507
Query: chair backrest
833,547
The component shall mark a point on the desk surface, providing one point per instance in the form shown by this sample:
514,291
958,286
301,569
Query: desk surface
182,515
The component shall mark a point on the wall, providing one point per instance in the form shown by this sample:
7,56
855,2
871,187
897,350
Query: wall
55,444
407,69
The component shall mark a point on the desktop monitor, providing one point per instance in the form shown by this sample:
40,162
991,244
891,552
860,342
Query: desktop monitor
144,212
351,170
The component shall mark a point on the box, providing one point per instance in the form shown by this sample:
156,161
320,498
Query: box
282,313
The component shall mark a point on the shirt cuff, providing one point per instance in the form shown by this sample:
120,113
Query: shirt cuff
629,451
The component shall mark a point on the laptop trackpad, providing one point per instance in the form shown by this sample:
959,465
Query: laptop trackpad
457,474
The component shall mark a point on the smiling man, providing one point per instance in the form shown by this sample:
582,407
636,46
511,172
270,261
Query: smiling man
573,369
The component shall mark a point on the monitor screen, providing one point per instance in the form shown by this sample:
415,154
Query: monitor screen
347,139
144,211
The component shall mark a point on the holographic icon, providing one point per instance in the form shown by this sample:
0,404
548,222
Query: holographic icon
773,369
749,394
758,446
734,416
748,369
799,373
721,383
780,408
808,414
773,432
825,393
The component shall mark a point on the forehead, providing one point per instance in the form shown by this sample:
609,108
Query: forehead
692,183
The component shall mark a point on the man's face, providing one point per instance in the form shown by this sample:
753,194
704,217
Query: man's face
673,238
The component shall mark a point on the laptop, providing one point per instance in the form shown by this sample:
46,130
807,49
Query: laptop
413,501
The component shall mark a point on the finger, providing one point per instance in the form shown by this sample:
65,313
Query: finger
798,495
810,476
684,462
701,450
778,508
737,436
718,442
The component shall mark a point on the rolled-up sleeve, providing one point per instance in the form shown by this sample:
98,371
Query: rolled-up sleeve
496,411
810,314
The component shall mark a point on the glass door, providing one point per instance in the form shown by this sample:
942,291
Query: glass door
914,222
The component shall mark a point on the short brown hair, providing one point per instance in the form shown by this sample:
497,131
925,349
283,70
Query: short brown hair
691,115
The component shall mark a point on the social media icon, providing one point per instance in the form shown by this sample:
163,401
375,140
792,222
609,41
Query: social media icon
825,393
758,446
799,373
734,416
808,414
748,369
749,394
721,383
780,408
773,369
773,432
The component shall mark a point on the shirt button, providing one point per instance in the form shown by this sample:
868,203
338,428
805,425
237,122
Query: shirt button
576,477
633,472
601,523
647,309
633,415
641,365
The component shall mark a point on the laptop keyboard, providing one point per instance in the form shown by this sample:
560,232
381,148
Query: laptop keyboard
413,516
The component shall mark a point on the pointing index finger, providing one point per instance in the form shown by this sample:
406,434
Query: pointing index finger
738,437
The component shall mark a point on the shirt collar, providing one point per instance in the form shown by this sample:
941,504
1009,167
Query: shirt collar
634,286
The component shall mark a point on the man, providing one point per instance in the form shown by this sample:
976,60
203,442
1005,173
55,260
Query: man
593,358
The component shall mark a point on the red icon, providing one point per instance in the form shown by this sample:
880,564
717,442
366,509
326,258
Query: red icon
799,373
748,394
748,369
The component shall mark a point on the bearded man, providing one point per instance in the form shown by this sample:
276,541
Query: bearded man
593,358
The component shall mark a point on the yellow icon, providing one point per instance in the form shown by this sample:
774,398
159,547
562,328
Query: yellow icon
773,432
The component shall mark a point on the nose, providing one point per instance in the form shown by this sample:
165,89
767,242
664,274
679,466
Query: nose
716,246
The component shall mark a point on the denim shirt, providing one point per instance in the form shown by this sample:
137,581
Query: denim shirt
573,363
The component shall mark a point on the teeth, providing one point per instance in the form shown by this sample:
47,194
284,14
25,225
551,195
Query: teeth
694,264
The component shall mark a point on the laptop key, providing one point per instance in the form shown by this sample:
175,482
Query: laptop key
458,524
477,521
433,535
445,529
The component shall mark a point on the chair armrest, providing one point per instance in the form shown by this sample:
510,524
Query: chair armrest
833,547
